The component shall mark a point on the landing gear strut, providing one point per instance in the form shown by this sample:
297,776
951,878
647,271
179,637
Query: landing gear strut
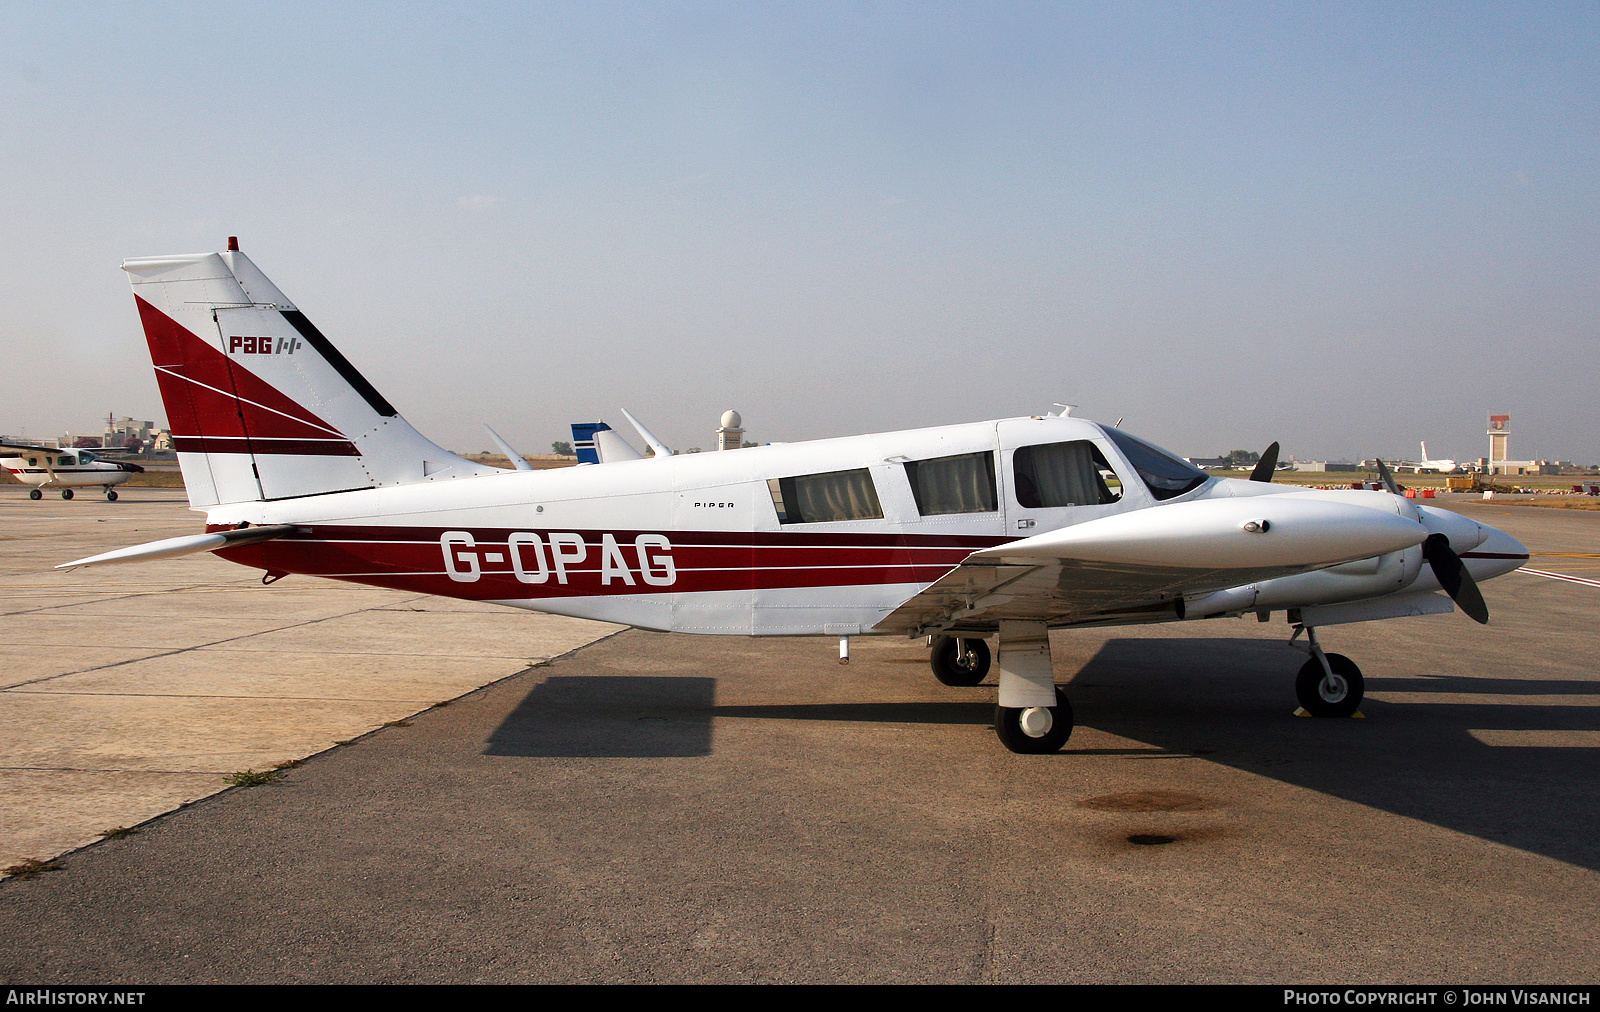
1328,685
1033,716
959,661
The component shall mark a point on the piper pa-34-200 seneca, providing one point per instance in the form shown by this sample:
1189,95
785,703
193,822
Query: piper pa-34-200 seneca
1003,528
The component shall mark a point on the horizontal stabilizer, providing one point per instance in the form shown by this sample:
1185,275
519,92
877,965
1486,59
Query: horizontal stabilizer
173,548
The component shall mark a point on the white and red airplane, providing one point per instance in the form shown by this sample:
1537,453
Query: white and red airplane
1003,528
46,467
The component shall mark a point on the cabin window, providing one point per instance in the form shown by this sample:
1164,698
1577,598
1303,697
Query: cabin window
1064,474
33,461
960,484
816,498
1165,474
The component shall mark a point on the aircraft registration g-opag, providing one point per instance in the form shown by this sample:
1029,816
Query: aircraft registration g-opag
960,532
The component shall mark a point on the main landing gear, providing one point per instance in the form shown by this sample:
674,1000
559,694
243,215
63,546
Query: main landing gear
1033,716
1328,685
66,493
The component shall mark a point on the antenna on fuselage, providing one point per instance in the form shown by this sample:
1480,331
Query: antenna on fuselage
1066,409
661,449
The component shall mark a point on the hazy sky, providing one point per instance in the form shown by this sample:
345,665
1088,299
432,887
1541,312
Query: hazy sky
1348,227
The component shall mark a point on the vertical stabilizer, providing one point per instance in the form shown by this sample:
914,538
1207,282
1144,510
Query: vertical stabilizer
261,404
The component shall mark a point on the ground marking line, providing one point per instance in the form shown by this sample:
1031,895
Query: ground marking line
1560,576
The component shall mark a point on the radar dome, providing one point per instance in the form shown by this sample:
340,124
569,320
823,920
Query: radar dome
731,419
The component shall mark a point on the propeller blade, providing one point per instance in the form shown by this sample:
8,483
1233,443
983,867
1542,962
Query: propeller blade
1267,464
1388,480
1455,578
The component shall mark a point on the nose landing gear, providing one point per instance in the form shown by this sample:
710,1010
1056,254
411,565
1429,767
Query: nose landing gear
959,661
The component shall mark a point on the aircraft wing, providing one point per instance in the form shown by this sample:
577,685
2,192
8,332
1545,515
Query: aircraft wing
27,447
1141,566
979,593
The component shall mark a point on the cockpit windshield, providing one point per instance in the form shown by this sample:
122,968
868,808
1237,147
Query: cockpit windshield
1165,474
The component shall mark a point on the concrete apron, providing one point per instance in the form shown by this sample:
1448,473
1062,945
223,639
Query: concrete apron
128,691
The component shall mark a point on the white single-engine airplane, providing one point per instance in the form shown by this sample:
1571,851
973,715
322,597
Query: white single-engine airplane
44,467
1008,527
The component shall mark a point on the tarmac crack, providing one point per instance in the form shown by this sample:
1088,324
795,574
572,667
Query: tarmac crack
197,646
224,695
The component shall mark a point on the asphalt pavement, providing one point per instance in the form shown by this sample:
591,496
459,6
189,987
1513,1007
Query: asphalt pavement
657,808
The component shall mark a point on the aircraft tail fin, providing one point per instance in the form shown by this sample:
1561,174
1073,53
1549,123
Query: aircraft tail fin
262,406
583,442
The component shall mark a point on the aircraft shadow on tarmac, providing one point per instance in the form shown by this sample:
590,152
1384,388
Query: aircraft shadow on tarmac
1226,700
1229,700
638,716
612,716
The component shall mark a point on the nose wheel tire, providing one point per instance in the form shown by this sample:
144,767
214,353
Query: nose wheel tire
111,496
949,667
1321,696
35,494
1035,730
66,493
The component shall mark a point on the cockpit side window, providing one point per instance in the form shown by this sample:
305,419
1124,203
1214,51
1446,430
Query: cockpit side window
960,484
1063,474
1165,474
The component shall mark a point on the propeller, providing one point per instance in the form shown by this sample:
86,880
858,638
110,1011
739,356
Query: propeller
1388,480
1267,464
1454,577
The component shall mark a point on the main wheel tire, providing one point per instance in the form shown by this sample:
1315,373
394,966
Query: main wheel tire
35,494
947,666
111,496
1010,725
1321,698
66,493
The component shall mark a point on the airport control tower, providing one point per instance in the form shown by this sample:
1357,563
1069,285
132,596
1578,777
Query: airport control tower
1499,437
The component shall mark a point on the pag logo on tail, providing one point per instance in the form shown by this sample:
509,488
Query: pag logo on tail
261,404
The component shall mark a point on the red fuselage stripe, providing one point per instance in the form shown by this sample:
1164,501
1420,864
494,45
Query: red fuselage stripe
631,562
